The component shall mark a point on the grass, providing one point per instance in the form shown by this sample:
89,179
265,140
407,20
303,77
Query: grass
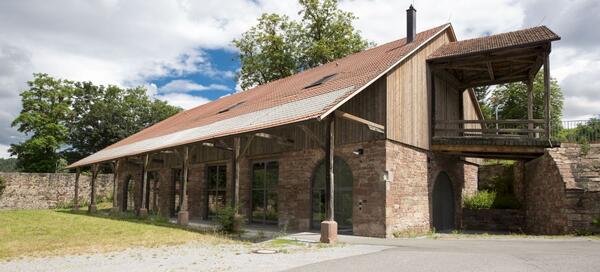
39,233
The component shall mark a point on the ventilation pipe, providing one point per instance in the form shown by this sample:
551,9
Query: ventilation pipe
411,24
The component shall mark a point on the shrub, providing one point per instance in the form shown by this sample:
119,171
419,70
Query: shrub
229,219
596,222
2,185
506,202
481,200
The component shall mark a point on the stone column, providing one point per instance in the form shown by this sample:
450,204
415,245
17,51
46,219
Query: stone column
143,211
329,227
76,196
183,215
92,208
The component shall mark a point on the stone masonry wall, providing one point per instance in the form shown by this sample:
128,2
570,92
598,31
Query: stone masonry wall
48,190
563,190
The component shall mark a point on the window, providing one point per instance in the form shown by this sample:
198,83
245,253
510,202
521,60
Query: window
265,176
216,180
176,192
320,81
342,194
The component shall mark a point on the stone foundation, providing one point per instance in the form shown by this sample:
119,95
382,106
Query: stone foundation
493,220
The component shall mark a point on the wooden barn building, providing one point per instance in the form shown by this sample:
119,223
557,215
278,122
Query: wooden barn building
380,141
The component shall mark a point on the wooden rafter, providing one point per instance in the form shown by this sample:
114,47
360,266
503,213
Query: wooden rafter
280,140
490,70
372,125
312,135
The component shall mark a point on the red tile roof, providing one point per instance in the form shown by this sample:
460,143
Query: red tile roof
355,71
535,35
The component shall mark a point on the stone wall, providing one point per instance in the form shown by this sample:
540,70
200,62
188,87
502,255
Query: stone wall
493,219
44,191
563,190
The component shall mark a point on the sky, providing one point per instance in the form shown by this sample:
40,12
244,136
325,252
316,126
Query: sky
182,52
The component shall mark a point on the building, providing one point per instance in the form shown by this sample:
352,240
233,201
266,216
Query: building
393,128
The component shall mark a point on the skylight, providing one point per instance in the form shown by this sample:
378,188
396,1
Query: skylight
320,81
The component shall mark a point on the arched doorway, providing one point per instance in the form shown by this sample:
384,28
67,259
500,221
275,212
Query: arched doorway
342,193
443,203
128,194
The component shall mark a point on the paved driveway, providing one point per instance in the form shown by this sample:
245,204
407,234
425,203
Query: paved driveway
470,255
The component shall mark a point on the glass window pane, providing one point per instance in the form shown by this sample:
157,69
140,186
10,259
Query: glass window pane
258,204
212,177
271,207
258,176
222,177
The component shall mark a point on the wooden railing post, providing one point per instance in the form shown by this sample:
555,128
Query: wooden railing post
530,106
115,207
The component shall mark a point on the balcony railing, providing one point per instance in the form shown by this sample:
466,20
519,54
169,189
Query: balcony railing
578,131
491,128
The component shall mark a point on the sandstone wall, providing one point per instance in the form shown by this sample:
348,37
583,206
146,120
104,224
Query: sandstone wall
563,190
44,191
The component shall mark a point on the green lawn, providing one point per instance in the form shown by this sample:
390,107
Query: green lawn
55,232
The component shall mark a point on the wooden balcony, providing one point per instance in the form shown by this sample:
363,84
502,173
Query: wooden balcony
510,139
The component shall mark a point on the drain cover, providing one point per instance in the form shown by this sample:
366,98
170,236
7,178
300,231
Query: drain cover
265,251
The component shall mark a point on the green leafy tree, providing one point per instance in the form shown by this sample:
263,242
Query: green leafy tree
511,100
482,94
278,47
104,115
45,113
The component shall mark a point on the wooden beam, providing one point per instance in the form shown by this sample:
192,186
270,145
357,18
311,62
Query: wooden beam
530,103
247,146
115,167
92,207
208,144
236,172
312,135
490,70
496,149
143,211
223,143
547,105
280,140
447,76
501,80
329,173
183,214
372,125
76,195
463,67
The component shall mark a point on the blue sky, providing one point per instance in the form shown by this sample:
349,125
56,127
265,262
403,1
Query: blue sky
181,50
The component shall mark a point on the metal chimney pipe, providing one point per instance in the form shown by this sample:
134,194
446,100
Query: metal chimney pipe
411,24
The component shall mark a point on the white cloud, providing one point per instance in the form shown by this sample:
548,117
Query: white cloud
182,85
4,151
183,100
133,42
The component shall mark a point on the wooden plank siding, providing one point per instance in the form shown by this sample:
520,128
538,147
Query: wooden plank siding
407,98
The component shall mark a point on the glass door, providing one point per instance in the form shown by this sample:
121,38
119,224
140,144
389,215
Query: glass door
265,176
216,180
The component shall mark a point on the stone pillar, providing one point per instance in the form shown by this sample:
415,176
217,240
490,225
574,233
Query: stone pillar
92,208
115,207
143,211
329,226
76,196
183,214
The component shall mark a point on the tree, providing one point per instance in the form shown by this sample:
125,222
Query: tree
278,47
511,100
67,120
46,110
104,115
482,94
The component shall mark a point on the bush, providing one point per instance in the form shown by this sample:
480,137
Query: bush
596,222
506,202
481,200
2,185
229,219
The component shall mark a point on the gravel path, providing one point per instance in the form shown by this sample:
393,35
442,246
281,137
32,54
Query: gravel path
191,257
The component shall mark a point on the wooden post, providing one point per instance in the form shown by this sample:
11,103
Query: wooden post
530,106
92,208
143,211
547,106
115,167
76,196
236,172
329,227
183,215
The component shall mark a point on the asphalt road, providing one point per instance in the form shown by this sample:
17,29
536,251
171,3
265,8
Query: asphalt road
471,255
